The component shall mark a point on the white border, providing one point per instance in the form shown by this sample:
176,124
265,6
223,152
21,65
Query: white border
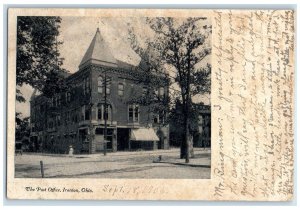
145,3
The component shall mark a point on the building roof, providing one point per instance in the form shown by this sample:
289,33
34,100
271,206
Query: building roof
98,53
64,74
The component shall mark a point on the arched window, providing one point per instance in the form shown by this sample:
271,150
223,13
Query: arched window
120,89
159,118
100,84
101,112
133,113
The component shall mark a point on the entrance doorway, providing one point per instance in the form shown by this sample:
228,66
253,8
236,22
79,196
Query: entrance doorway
83,136
123,139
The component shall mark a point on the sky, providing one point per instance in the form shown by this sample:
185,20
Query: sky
76,33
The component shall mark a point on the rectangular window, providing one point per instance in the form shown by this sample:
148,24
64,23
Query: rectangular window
100,84
133,113
68,97
87,113
105,114
84,87
83,113
144,91
109,112
58,99
136,114
120,89
68,116
58,120
161,91
130,113
76,118
161,117
100,112
108,83
156,92
52,102
87,85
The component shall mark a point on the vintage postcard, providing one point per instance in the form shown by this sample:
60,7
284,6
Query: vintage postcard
150,104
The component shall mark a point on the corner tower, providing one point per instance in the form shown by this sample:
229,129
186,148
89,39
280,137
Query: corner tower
98,53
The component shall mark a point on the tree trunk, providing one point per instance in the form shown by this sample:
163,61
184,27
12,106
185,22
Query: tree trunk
184,150
182,147
187,152
191,147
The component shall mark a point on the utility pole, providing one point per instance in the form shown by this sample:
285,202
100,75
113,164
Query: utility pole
105,113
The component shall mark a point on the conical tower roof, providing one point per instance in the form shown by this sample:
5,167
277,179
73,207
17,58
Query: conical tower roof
98,53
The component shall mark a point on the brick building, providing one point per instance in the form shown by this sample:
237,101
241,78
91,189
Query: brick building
76,117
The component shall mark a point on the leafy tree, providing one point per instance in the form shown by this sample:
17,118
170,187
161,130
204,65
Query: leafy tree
38,58
181,46
154,76
22,127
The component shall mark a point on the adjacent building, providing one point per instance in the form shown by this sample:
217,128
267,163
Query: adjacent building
76,117
202,138
200,129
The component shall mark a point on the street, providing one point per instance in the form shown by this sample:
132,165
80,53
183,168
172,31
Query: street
138,164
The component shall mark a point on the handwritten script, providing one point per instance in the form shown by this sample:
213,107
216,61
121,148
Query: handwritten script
253,84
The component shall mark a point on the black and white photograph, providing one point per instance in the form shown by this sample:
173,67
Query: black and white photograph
101,97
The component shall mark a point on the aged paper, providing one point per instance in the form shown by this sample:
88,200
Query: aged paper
256,104
252,100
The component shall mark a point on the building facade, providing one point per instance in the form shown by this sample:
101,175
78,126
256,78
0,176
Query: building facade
202,138
76,117
200,129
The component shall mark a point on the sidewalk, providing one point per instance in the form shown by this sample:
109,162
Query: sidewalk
138,164
120,153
